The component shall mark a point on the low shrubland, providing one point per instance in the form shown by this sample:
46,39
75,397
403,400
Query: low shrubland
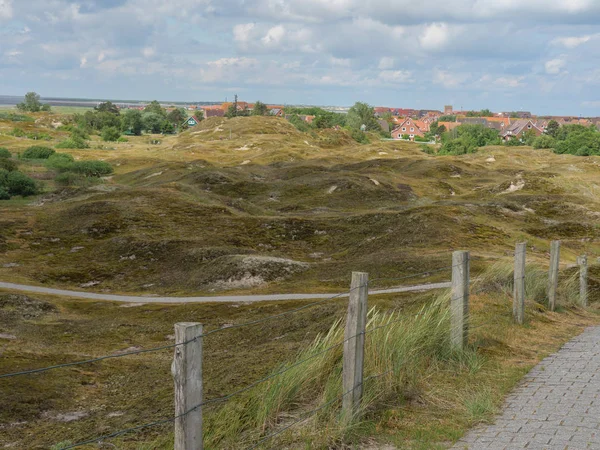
37,152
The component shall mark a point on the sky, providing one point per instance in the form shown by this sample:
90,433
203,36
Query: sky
537,55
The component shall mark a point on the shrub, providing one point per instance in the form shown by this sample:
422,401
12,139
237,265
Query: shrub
110,134
8,164
68,178
359,136
5,153
17,132
4,195
15,117
37,152
544,141
122,139
92,168
460,146
514,142
421,139
18,183
429,149
60,161
73,142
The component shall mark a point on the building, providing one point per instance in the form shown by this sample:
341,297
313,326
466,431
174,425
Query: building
448,110
518,129
411,128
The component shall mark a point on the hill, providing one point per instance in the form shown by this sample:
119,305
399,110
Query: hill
184,215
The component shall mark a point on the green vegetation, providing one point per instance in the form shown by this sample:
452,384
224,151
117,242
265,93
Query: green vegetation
468,138
32,103
16,183
544,141
260,109
15,117
447,118
5,153
18,132
482,113
578,140
110,134
37,152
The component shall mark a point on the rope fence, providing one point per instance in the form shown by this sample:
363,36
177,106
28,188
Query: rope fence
187,365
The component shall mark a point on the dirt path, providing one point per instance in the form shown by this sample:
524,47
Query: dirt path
223,298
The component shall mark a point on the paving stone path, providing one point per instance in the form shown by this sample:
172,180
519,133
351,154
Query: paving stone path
557,405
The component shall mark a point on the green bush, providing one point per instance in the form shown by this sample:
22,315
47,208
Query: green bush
4,195
60,161
69,178
37,152
359,136
421,139
73,142
92,168
514,142
122,139
544,141
429,149
110,134
8,164
17,132
460,146
17,183
5,153
15,117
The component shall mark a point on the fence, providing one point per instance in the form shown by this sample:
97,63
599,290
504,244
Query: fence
188,347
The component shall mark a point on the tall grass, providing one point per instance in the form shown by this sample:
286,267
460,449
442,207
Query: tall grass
399,347
500,278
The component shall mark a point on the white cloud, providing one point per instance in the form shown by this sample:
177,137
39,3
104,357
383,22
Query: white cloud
573,41
396,76
386,63
435,36
83,62
242,33
340,62
511,82
274,36
591,104
555,66
6,9
148,52
448,79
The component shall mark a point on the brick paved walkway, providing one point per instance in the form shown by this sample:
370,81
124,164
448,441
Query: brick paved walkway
557,406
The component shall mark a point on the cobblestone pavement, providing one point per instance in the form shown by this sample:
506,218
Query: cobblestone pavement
557,405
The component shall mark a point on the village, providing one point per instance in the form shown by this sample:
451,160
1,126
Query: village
403,123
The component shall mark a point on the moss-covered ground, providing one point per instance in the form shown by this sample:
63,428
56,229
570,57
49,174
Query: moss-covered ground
177,217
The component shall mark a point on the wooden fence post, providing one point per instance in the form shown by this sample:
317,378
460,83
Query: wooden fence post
459,302
519,283
187,374
354,345
553,274
583,280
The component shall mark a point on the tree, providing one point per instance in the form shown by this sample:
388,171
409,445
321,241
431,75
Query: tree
45,107
132,121
109,107
177,116
552,128
31,103
447,118
260,109
153,122
199,115
362,114
485,113
544,141
154,107
231,111
110,134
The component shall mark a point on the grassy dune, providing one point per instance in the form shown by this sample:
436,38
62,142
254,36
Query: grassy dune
251,205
